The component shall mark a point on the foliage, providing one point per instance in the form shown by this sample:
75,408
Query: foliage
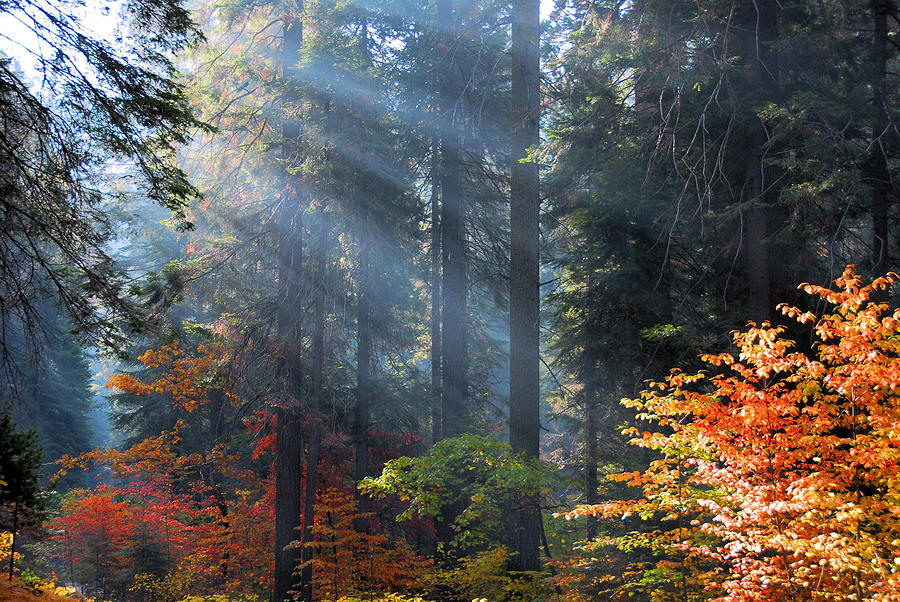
184,379
5,545
777,470
477,474
700,158
347,561
91,105
174,585
485,576
656,113
92,535
23,502
221,598
181,520
383,598
28,587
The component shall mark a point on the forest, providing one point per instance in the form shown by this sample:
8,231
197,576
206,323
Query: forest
449,300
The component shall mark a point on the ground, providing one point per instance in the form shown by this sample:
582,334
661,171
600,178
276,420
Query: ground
17,591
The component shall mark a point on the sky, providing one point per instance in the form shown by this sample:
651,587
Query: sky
98,19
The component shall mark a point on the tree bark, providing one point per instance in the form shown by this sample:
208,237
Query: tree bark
288,448
217,418
453,246
524,293
365,295
881,179
757,232
758,22
363,373
315,409
212,478
435,300
591,452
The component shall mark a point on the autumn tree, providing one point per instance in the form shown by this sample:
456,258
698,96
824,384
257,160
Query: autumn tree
666,239
94,530
191,507
777,468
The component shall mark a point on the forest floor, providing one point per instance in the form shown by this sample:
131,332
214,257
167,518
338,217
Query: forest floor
18,591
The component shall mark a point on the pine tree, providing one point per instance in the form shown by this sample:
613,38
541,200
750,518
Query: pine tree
91,105
21,498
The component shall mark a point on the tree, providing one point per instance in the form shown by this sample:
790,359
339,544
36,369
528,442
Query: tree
453,230
615,315
288,444
667,238
524,295
95,105
52,389
777,468
191,507
478,475
21,497
884,135
94,530
354,204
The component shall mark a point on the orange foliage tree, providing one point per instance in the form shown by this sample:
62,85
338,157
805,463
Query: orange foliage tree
777,473
92,536
203,514
199,518
348,561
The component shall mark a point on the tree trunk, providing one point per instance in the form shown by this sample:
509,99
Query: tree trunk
881,179
288,447
364,330
524,291
453,247
212,478
315,409
591,452
435,299
288,480
217,419
644,100
363,373
757,232
758,22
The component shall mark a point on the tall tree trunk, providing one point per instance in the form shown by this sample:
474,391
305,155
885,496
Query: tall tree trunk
758,22
524,291
217,418
757,231
881,179
315,407
216,434
435,298
591,451
363,372
364,330
288,448
644,100
453,247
